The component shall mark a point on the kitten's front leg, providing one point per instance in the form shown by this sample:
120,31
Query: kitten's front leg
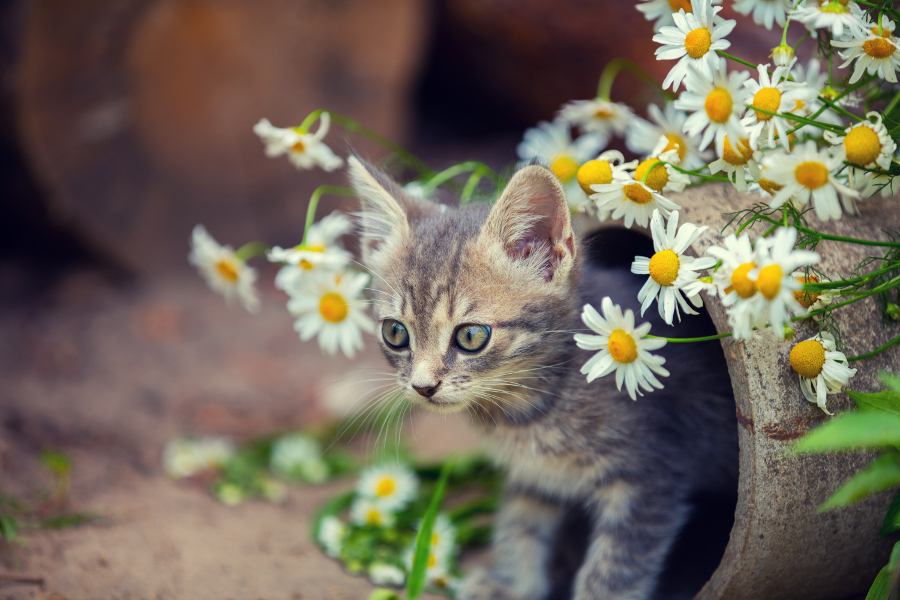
524,533
634,527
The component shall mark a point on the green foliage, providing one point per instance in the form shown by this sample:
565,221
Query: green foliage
56,462
882,475
383,594
869,429
881,588
416,581
892,518
887,401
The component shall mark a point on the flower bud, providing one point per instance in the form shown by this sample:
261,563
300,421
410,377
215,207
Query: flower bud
893,311
829,93
707,279
782,55
788,333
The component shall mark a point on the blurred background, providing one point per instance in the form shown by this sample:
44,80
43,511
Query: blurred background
123,123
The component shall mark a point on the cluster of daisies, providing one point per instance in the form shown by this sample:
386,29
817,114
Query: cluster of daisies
379,538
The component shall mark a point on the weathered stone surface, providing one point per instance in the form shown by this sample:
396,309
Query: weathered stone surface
780,547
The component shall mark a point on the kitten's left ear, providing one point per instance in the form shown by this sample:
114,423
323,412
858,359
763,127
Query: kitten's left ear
531,221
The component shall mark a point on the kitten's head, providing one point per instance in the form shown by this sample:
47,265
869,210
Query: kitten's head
470,304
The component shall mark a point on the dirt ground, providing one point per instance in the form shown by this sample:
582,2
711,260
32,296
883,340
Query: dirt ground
108,371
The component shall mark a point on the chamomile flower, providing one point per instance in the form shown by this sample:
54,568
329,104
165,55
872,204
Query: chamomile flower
183,457
672,273
386,574
875,183
634,200
810,302
321,252
774,94
331,535
305,150
821,368
552,144
330,306
443,536
621,347
715,106
661,11
644,137
366,512
223,271
836,15
392,486
866,143
782,55
765,12
808,174
694,40
602,170
598,116
738,164
298,457
764,187
872,52
736,287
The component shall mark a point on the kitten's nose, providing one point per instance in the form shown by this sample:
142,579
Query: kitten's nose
428,392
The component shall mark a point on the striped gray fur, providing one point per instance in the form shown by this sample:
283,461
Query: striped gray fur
516,267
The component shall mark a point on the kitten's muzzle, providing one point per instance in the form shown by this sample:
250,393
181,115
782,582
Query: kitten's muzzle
428,392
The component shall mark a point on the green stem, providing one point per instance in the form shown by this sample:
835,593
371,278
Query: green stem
613,67
352,126
802,39
799,119
471,184
833,238
450,173
696,173
893,103
882,288
252,249
736,59
839,109
314,203
875,351
831,285
708,338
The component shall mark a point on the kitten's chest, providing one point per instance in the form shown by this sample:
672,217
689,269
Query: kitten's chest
548,459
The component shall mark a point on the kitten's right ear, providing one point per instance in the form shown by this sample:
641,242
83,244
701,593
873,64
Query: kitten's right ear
381,215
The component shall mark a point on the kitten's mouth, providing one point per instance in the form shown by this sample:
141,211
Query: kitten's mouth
442,406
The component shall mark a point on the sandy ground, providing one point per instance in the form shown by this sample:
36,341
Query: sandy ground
107,373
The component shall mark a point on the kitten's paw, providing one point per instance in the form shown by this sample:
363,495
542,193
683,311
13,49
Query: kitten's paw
479,584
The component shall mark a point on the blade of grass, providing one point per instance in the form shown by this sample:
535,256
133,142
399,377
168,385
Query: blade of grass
416,581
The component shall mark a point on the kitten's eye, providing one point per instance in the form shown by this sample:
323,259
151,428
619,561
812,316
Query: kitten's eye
395,334
472,338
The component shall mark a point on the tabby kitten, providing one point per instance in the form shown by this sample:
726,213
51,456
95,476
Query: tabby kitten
476,309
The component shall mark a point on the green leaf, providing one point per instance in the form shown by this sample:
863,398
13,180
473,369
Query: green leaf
892,518
55,461
852,431
895,558
383,594
883,474
888,401
7,528
892,381
415,583
881,588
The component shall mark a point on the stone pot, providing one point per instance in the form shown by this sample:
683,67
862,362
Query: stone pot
780,547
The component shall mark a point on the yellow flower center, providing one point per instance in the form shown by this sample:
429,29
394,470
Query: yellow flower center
718,105
307,264
811,174
769,281
884,32
298,146
434,539
770,186
432,560
227,270
878,48
385,488
743,154
837,7
742,285
664,267
594,172
798,105
564,168
767,98
333,307
684,5
806,299
622,346
373,517
637,194
697,42
677,144
808,358
862,145
603,113
657,178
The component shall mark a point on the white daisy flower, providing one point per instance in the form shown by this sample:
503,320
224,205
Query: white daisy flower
739,165
871,184
821,368
331,307
736,288
806,174
716,105
304,150
866,143
812,301
331,535
298,457
661,11
764,187
223,271
873,53
183,457
836,15
602,170
322,251
366,512
598,116
437,568
643,137
385,574
443,536
392,486
552,144
440,576
622,348
633,200
782,55
765,12
694,40
672,273
774,94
